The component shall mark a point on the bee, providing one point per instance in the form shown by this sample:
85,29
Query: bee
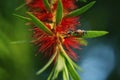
76,33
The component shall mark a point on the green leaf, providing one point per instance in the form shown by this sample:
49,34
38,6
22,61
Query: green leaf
73,72
93,34
48,64
47,5
22,17
59,66
59,12
65,73
56,72
51,73
20,42
39,24
76,66
70,64
60,63
80,10
64,76
70,61
21,6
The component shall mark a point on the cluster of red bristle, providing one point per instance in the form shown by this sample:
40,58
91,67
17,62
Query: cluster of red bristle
45,42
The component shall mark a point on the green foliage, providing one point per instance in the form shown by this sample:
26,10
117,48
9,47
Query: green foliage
94,34
21,6
22,17
81,10
65,65
14,64
59,13
70,65
47,65
65,73
39,23
73,73
47,5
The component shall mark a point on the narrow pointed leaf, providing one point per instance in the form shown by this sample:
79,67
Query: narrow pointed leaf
72,62
80,10
60,63
47,5
76,66
73,72
64,76
70,65
22,17
39,24
65,55
49,77
66,73
20,42
59,66
93,34
51,73
59,12
56,72
47,65
21,6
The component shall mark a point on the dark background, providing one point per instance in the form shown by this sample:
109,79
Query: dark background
17,61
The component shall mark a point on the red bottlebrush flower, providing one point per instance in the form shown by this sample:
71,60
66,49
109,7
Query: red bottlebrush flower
36,4
48,43
45,43
68,24
70,43
55,34
69,4
43,16
37,7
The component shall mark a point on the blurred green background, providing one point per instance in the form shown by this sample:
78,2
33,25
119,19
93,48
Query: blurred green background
18,62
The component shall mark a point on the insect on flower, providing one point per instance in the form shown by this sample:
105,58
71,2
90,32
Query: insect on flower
77,33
